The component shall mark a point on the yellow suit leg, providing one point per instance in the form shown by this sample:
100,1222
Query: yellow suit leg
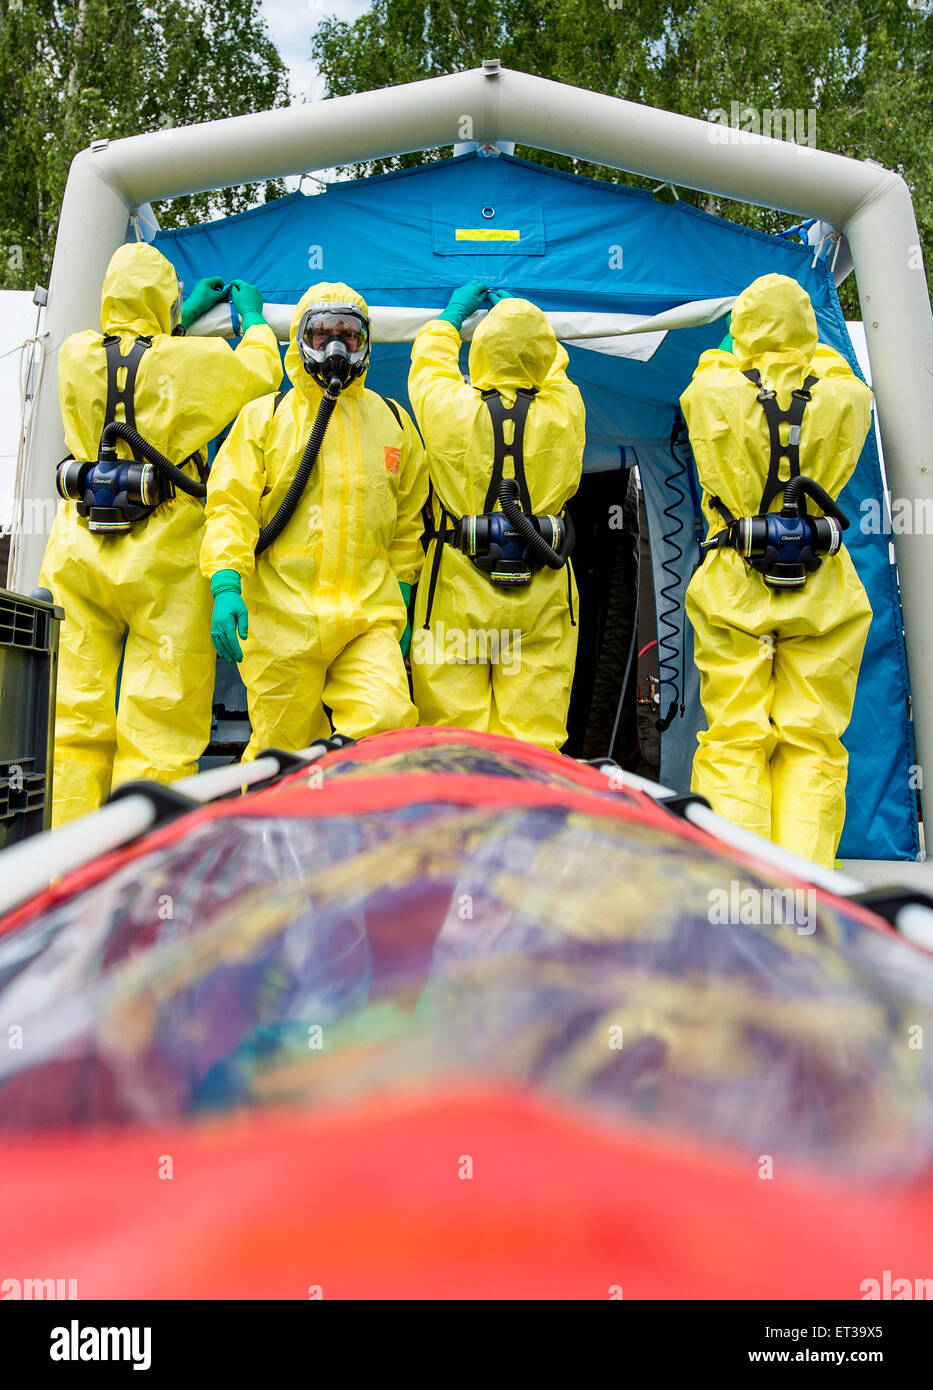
89,653
283,696
366,686
167,685
815,675
448,693
731,765
532,679
449,690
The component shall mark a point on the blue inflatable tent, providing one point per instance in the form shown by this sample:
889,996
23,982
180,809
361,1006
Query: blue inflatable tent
595,247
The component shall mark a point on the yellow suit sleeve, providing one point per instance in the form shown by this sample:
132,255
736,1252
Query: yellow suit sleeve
435,359
234,494
447,411
564,400
257,358
405,553
213,381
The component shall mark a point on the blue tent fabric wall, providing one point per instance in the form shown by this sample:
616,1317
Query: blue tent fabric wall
598,247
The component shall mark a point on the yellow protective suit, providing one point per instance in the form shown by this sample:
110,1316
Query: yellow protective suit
778,670
142,588
494,658
325,609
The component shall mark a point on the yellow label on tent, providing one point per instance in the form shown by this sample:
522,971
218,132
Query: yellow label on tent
477,229
485,234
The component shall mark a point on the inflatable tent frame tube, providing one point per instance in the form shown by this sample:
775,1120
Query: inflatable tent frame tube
869,204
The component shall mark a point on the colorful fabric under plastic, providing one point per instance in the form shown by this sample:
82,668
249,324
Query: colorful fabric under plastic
407,913
446,1015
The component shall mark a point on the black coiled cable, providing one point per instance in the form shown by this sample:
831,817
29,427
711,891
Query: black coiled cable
668,643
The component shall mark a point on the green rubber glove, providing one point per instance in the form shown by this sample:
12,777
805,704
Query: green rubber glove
405,643
229,617
496,295
204,296
464,302
248,303
726,344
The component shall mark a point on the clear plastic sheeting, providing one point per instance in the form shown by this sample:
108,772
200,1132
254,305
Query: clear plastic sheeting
264,959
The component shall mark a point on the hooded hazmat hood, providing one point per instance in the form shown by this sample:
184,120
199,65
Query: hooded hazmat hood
773,320
139,290
513,347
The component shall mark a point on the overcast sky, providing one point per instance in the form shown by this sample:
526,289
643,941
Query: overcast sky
291,24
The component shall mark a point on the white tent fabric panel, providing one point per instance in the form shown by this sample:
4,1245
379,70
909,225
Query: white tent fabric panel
635,336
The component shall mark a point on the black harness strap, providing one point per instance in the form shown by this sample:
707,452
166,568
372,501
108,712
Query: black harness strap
439,531
775,416
722,509
125,395
394,409
117,395
499,414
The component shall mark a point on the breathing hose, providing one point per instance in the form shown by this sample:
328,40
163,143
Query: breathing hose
117,429
819,495
286,511
554,559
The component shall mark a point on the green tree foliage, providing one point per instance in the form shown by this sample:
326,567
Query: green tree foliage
75,72
864,68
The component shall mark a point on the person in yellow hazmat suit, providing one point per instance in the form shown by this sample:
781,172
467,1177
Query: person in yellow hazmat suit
779,614
312,540
495,632
122,557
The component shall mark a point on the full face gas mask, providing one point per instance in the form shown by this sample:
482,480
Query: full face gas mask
333,343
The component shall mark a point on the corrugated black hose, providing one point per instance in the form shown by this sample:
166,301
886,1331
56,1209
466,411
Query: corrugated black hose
117,429
555,559
286,511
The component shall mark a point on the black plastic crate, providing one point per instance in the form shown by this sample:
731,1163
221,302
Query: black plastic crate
28,669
